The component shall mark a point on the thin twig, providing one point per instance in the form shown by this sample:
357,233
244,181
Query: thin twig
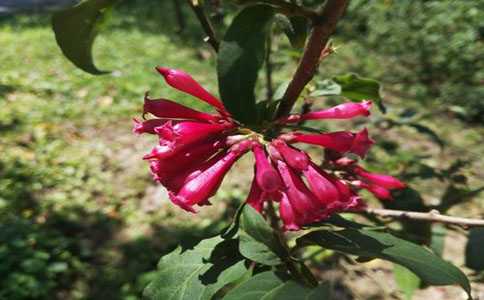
432,216
292,9
323,26
205,22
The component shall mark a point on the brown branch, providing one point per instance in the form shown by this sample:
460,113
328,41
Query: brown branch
205,22
323,26
432,216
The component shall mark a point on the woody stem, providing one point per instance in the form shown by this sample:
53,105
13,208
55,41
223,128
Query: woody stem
322,27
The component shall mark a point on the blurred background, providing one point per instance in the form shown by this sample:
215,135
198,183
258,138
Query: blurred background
81,218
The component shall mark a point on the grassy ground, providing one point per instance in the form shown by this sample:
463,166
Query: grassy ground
80,215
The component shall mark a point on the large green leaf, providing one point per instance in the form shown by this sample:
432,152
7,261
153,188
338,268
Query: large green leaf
295,28
359,88
276,286
430,268
76,28
474,257
197,273
406,280
257,241
241,54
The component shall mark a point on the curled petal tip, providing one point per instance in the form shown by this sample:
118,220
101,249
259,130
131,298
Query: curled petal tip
179,201
163,71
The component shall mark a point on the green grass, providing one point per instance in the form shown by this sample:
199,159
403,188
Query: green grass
71,168
80,215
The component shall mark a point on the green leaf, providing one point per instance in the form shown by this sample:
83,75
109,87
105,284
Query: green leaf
241,54
276,286
76,28
281,89
359,88
327,87
321,292
339,221
295,28
474,257
406,280
430,268
257,241
197,273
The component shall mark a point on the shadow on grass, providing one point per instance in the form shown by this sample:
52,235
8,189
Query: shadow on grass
48,253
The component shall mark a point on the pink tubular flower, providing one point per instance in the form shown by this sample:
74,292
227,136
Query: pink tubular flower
167,168
298,160
267,177
195,151
378,191
301,199
201,187
386,181
147,126
341,141
185,83
256,196
175,135
353,174
342,111
288,215
322,186
163,108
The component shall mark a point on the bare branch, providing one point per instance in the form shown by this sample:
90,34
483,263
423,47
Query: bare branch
323,27
205,22
432,216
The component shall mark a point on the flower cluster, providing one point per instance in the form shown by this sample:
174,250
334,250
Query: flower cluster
197,149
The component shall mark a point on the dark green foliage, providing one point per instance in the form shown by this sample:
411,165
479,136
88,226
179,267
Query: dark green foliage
352,87
434,46
368,243
197,273
295,28
35,261
474,257
76,28
241,54
258,242
276,286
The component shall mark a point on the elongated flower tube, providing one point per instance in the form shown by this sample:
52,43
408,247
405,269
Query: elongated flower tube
167,168
177,135
386,181
185,83
322,186
341,141
342,111
147,126
378,191
175,182
256,197
203,186
297,159
163,108
288,215
301,199
267,177
195,151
